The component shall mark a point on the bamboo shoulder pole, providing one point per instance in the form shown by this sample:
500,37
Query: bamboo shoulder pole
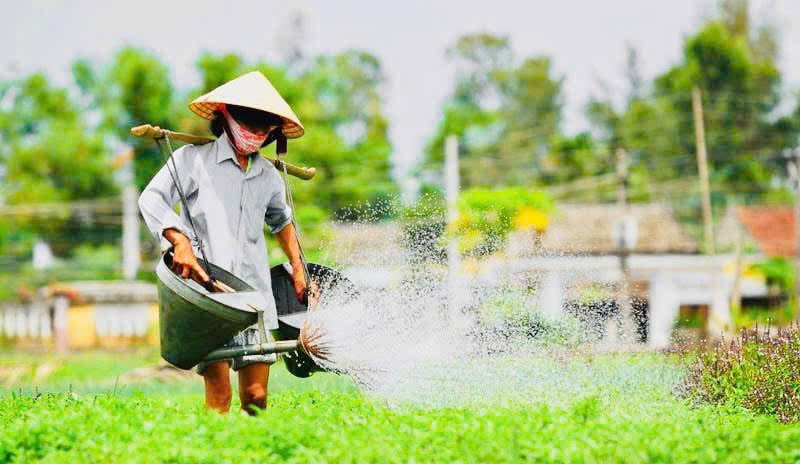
155,132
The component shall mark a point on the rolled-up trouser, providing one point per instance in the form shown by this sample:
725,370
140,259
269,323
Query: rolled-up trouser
248,336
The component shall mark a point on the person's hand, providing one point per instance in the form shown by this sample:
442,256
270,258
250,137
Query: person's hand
302,288
299,281
184,263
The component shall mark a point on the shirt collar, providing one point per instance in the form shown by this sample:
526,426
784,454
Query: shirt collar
225,152
224,148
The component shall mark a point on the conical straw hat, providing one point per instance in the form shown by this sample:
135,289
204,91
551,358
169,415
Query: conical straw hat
251,90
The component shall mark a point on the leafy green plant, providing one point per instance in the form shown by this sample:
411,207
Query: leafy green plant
778,271
753,316
320,422
759,370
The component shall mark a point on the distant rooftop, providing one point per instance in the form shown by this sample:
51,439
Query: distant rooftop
579,229
587,229
772,228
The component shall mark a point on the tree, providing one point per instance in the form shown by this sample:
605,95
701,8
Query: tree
48,155
734,65
740,92
504,114
532,115
144,93
135,88
570,158
348,133
216,70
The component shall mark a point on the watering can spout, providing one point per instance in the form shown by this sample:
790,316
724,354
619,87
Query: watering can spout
310,342
280,346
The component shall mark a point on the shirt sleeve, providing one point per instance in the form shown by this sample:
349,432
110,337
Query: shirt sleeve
158,200
278,214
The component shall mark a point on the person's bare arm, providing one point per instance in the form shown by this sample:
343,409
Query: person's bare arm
287,239
157,203
184,261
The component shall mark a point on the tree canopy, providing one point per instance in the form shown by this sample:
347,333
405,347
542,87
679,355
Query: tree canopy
734,64
59,142
506,113
503,112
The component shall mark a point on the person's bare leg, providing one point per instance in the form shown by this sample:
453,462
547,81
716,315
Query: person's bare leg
218,386
253,381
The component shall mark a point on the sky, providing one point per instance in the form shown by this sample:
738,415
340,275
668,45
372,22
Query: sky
586,40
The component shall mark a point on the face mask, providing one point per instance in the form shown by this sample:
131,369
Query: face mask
244,141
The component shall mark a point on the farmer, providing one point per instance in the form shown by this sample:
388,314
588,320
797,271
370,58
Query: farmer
231,193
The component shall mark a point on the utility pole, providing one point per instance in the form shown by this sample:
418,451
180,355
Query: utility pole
451,180
624,244
702,170
720,314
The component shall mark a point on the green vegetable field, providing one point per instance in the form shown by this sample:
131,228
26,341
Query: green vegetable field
84,408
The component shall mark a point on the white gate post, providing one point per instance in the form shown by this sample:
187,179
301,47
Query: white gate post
551,294
130,233
664,307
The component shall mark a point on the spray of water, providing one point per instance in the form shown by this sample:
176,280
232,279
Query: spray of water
419,340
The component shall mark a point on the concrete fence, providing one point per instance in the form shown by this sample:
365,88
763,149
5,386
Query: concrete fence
82,315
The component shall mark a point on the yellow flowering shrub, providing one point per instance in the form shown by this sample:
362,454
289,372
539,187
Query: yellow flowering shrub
487,215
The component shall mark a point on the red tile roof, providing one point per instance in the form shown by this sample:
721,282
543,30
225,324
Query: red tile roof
771,227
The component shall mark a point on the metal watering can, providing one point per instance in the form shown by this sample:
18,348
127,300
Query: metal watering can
194,322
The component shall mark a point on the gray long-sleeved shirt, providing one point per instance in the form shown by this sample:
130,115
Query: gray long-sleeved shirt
228,206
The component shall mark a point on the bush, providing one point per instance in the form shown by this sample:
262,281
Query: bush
758,370
487,215
753,316
779,272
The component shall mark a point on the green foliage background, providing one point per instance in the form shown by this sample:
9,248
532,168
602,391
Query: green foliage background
506,111
59,143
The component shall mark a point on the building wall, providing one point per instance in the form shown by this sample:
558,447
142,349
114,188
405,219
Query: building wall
102,325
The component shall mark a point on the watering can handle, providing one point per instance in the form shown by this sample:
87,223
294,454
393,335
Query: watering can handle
215,285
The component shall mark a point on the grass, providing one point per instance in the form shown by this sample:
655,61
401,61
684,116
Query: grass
80,414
